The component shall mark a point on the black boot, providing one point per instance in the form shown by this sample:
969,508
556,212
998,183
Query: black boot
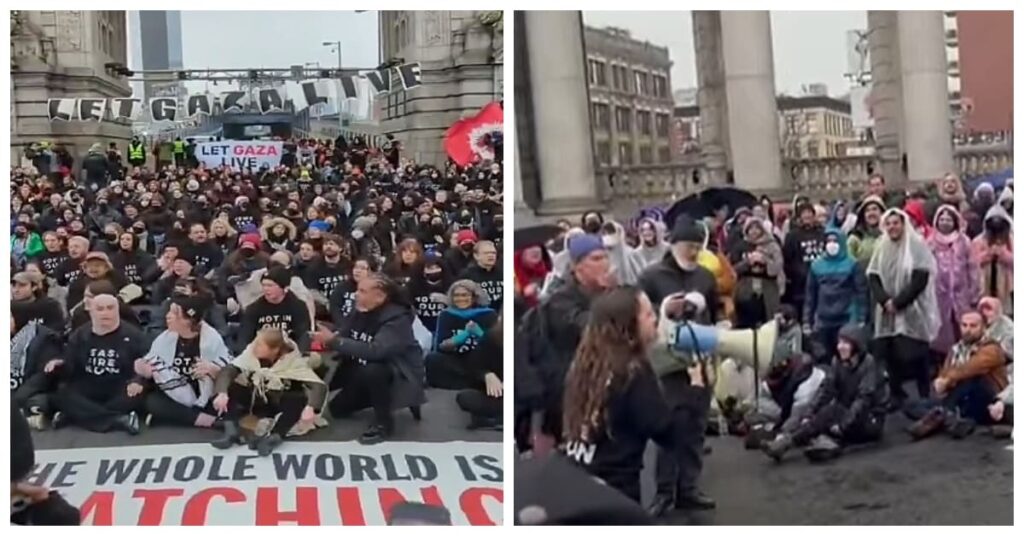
661,505
375,434
232,436
128,423
267,444
694,500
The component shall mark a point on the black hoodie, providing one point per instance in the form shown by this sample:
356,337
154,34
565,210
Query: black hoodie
491,281
52,260
108,359
857,384
324,277
803,245
661,279
421,292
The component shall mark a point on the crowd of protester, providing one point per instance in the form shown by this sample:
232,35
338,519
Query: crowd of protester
864,295
171,294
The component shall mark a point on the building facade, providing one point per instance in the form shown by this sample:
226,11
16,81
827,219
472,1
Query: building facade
157,36
460,55
63,54
980,45
630,98
810,127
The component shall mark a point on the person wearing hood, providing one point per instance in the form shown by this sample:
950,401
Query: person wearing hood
460,329
901,275
999,326
182,364
270,378
861,242
364,242
380,363
957,280
849,408
627,264
102,392
837,292
993,251
841,218
278,234
33,346
428,291
95,168
915,208
804,243
653,246
760,281
1006,199
239,266
532,265
486,272
790,389
591,222
970,380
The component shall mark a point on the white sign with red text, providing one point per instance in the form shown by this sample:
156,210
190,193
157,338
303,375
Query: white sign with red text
303,483
240,155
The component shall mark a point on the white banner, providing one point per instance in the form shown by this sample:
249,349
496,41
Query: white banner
303,483
239,155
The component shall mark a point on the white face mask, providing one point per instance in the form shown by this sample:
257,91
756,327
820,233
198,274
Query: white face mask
610,241
357,234
832,248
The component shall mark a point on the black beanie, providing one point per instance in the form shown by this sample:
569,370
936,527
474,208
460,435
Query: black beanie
23,453
193,307
686,229
802,206
279,275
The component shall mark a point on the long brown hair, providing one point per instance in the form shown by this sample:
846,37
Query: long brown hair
609,354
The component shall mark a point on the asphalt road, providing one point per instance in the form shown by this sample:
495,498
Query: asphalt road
938,481
442,421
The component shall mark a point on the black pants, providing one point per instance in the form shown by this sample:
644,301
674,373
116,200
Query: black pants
828,338
678,470
94,405
287,404
448,371
905,359
34,394
363,386
479,403
750,313
166,410
865,428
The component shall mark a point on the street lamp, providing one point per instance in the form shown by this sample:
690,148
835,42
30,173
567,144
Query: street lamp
341,91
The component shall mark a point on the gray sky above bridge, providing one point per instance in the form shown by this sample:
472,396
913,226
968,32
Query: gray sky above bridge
809,46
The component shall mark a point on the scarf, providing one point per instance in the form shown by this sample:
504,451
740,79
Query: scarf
161,357
19,346
289,367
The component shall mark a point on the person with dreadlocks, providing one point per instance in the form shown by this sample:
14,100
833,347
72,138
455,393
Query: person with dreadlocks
613,404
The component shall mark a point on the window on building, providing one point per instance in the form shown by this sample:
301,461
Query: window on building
596,69
643,122
627,84
604,152
661,125
623,119
602,116
616,79
646,154
660,86
641,83
664,154
625,153
812,149
395,104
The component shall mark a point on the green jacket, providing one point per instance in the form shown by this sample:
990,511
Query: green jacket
34,246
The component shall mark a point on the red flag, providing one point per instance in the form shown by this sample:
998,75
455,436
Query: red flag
468,140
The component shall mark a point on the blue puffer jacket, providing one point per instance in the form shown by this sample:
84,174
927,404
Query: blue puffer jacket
837,291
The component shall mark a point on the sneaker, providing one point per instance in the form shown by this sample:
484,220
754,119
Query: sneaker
373,435
36,419
776,448
933,422
149,420
822,449
59,420
268,444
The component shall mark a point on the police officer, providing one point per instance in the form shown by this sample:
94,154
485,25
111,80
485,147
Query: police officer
136,153
179,152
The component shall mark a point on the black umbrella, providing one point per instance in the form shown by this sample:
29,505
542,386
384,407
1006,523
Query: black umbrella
704,203
538,235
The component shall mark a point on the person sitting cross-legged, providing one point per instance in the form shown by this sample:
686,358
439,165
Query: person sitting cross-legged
102,392
269,379
33,346
483,399
460,329
969,382
849,408
182,363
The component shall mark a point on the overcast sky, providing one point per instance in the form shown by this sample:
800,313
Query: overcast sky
809,47
276,39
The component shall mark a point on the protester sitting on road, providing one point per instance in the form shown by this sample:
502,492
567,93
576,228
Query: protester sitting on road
33,346
849,407
182,364
482,400
27,290
137,265
460,330
324,273
79,316
102,392
278,308
428,291
380,363
68,272
343,297
270,378
968,383
407,261
790,390
486,271
613,404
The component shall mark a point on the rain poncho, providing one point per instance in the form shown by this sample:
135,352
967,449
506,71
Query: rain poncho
653,254
956,281
893,262
627,263
996,265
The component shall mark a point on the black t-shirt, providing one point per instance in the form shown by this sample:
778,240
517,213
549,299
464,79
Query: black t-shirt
186,355
343,300
208,256
324,277
489,280
291,316
427,309
51,261
106,358
68,272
